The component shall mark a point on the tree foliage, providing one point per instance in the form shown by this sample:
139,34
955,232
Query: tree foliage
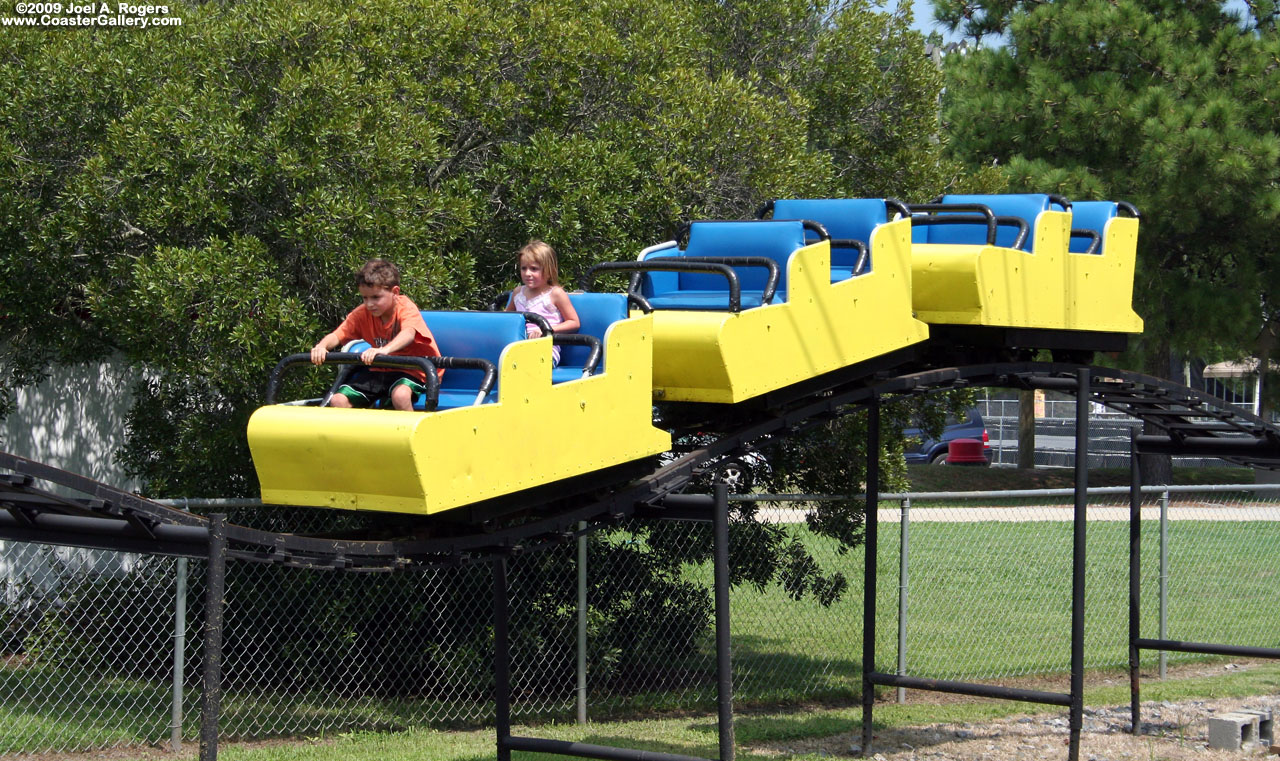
196,198
1168,105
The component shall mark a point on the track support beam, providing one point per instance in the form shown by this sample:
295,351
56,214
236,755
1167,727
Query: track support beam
1147,444
1080,527
1072,700
685,507
215,600
870,550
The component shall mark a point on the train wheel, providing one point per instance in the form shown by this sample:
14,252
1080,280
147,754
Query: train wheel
735,474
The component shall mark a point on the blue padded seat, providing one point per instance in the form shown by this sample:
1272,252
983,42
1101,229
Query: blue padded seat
844,219
596,312
777,240
468,334
1026,206
1091,215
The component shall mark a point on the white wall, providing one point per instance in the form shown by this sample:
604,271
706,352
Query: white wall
74,421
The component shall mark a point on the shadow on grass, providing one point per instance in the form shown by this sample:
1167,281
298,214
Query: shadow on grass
763,677
46,707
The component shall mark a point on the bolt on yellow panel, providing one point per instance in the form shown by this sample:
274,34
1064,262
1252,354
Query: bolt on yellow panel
710,356
416,462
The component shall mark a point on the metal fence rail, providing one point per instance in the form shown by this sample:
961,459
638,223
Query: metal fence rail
101,650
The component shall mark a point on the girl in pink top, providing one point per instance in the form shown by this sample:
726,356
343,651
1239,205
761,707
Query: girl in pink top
541,293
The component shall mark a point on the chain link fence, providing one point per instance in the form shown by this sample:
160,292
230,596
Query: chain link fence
102,649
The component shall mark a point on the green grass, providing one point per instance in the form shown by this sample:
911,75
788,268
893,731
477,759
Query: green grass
697,735
101,711
994,599
46,707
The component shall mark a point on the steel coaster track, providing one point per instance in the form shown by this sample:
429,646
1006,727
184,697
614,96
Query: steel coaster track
104,517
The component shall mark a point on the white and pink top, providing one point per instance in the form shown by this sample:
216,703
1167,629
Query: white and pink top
539,305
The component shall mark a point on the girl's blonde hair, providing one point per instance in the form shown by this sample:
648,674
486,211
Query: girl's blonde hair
543,255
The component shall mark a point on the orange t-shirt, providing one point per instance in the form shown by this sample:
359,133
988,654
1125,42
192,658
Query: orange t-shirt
361,324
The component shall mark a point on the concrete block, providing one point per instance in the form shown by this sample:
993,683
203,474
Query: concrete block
1233,731
1266,724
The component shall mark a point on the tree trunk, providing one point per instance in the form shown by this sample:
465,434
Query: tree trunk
1027,429
1265,346
1157,469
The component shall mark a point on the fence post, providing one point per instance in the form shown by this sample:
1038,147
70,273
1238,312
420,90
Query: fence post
582,622
1164,576
903,555
179,652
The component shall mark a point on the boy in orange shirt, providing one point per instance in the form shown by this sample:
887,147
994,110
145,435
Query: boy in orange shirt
391,324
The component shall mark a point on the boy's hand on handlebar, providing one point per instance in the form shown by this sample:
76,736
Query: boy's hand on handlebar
318,354
368,355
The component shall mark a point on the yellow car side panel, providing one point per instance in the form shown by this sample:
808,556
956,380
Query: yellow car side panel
1101,287
992,285
702,356
416,462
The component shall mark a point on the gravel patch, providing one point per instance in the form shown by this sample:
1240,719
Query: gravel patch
1171,732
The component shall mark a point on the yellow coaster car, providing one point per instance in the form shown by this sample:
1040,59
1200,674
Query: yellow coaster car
993,260
474,443
749,307
1025,261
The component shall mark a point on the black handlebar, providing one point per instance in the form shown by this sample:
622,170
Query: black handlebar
582,339
815,227
639,302
893,204
426,365
470,363
672,264
932,219
1021,224
854,244
771,282
1095,240
534,318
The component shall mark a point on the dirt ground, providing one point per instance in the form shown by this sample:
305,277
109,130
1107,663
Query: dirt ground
1171,732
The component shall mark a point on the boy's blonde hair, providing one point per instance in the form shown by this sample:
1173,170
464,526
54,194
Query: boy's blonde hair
378,273
543,255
